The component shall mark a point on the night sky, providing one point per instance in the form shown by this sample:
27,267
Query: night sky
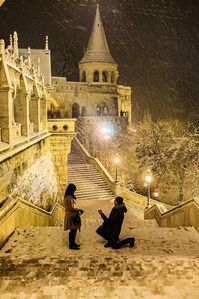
155,42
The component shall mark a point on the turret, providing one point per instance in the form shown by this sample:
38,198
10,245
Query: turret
97,64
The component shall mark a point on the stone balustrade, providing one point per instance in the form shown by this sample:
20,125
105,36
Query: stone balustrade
114,186
61,125
21,213
184,214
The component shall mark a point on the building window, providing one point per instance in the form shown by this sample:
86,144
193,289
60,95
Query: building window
83,76
112,77
104,76
96,76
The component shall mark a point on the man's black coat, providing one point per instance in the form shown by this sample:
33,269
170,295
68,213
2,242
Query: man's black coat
112,225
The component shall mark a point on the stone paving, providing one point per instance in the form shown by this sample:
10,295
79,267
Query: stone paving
36,262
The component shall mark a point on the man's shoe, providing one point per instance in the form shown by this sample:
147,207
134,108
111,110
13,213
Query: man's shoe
78,245
131,242
74,247
107,245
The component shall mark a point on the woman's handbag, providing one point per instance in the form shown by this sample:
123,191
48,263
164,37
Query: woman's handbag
76,219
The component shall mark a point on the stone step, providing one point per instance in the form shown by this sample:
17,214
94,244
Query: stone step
37,263
92,182
157,255
89,183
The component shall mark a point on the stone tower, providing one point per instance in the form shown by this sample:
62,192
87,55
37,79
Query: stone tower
97,65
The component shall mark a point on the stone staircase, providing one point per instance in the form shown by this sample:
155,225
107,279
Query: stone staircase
89,183
36,262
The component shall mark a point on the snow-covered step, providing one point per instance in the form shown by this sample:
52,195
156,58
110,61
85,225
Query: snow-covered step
89,183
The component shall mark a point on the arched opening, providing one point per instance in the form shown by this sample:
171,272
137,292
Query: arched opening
75,110
112,77
53,109
83,76
96,76
83,111
104,76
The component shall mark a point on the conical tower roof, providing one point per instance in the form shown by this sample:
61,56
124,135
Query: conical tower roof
97,50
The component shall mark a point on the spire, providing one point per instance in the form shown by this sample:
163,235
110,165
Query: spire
97,50
11,44
16,48
38,66
46,44
29,57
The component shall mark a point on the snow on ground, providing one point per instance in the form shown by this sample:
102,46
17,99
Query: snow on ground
36,262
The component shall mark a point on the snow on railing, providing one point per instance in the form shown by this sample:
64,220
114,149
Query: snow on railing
20,213
185,214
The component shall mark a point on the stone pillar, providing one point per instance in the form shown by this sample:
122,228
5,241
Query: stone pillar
22,112
60,148
100,76
6,114
43,113
34,112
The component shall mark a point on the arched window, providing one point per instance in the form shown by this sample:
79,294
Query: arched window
75,110
112,77
104,76
96,76
83,76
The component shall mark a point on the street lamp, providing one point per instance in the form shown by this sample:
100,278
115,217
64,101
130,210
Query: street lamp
155,194
116,160
148,179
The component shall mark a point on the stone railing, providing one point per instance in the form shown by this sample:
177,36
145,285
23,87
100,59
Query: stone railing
98,166
21,213
184,214
114,186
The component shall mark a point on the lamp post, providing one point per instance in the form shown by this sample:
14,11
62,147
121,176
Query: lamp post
148,179
116,160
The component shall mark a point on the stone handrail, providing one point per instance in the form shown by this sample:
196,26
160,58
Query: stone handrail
98,166
21,213
184,214
114,186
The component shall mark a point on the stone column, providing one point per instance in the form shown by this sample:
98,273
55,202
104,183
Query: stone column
60,148
34,111
100,76
43,113
22,112
6,114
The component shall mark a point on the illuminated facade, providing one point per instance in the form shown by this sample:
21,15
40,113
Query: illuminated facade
97,93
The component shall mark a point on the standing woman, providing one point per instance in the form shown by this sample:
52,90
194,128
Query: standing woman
72,220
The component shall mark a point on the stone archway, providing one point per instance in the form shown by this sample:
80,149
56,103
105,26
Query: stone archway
75,110
53,108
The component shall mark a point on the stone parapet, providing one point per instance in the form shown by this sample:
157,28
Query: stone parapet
66,126
21,213
184,214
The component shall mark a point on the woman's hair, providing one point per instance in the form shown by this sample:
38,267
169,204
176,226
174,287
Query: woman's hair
70,190
119,200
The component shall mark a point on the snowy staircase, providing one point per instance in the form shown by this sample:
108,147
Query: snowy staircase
89,183
37,263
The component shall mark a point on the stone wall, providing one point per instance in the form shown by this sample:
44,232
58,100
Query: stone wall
87,97
29,174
